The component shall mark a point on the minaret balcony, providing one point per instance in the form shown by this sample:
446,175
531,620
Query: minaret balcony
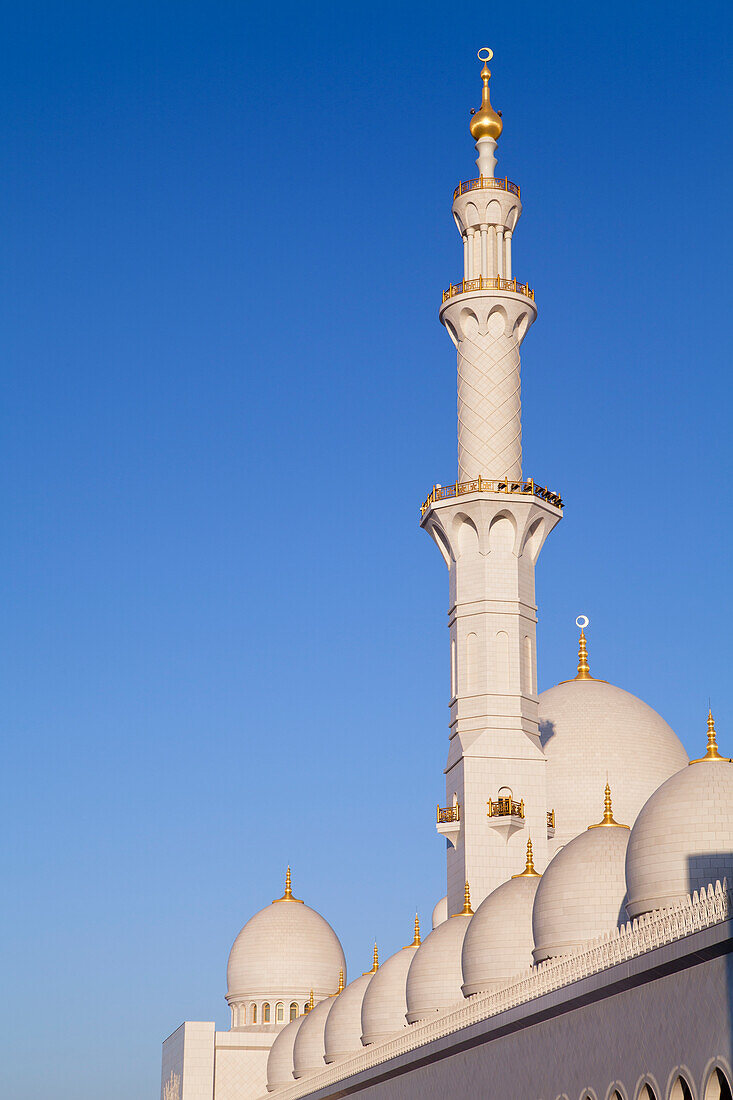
449,823
486,485
488,282
486,182
506,814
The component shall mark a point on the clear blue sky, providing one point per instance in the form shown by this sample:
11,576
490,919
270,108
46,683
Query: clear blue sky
224,231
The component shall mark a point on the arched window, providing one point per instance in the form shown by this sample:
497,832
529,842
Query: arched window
253,1014
647,1093
279,1013
305,1008
293,1011
680,1090
265,1013
717,1087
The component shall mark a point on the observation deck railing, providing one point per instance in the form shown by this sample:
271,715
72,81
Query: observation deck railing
483,485
486,182
505,807
488,282
446,814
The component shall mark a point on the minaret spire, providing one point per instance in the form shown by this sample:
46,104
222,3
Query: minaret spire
486,124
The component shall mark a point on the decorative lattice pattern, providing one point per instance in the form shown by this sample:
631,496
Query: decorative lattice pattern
489,407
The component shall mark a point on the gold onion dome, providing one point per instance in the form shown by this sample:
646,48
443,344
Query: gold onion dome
485,122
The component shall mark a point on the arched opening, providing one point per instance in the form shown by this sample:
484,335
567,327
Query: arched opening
528,667
265,1013
680,1090
293,1011
253,1014
305,1008
471,658
646,1093
501,660
718,1087
279,1013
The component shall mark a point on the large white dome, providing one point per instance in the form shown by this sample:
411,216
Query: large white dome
498,944
683,837
592,731
435,977
342,1035
285,951
581,894
385,1001
309,1046
280,1058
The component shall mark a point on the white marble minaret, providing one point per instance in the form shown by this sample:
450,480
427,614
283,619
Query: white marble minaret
490,527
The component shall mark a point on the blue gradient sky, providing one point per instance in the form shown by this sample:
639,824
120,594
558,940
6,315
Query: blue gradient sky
224,230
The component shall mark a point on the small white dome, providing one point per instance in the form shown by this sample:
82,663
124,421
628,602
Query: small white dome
683,838
280,1058
581,894
309,1046
285,951
592,731
440,912
385,1001
499,942
342,1035
435,977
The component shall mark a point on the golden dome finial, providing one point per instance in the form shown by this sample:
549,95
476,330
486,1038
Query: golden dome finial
375,961
583,669
712,753
608,813
529,871
341,980
416,938
485,122
288,895
467,911
311,1003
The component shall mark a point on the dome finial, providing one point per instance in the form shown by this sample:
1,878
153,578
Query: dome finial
288,895
485,123
311,1003
341,980
529,871
467,911
375,961
416,939
712,753
583,669
608,813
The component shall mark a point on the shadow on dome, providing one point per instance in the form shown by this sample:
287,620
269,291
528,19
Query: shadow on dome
706,868
547,732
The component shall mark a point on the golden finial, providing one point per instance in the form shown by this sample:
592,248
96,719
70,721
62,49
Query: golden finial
341,979
485,122
467,911
288,895
311,1003
375,961
529,871
608,814
583,670
712,753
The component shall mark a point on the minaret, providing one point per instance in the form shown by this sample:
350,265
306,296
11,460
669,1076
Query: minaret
490,527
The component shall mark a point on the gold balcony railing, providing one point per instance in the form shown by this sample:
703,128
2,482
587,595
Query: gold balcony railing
486,182
505,807
550,819
488,282
485,485
446,814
